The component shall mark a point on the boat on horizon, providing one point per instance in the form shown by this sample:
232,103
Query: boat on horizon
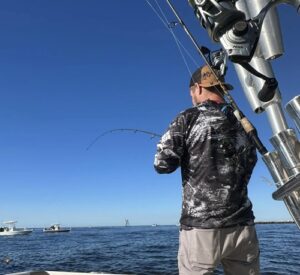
56,228
10,229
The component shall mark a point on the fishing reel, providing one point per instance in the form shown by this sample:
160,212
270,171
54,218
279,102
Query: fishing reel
218,61
238,35
229,26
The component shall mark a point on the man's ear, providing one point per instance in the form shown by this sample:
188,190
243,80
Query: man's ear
198,89
191,92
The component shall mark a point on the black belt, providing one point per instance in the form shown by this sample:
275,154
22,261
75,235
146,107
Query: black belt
187,228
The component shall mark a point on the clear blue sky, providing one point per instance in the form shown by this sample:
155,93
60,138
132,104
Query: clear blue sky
71,69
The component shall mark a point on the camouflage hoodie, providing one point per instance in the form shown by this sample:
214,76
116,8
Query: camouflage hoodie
216,160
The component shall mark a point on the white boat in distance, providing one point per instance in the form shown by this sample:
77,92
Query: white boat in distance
11,230
56,228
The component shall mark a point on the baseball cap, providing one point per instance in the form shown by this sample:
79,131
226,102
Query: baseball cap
205,78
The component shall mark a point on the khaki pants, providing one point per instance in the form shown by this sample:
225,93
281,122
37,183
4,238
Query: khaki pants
202,250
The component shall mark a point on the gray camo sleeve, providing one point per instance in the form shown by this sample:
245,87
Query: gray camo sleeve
170,148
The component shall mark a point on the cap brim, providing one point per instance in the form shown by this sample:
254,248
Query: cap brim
226,85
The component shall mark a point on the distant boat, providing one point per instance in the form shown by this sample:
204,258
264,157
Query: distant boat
154,224
127,222
56,228
11,230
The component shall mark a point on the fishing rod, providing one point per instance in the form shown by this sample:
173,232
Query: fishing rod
246,124
152,134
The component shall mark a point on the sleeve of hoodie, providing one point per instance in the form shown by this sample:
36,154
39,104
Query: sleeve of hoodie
171,146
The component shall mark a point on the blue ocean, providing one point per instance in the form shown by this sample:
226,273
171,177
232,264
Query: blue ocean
133,250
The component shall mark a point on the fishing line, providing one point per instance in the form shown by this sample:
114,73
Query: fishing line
152,134
169,26
201,49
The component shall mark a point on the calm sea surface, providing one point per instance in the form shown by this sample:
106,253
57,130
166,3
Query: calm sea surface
133,250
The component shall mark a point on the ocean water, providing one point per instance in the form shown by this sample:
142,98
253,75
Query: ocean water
133,250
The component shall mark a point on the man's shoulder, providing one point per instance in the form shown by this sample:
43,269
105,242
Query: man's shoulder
187,115
189,111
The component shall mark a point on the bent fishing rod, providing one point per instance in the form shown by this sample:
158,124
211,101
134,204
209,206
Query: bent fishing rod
133,130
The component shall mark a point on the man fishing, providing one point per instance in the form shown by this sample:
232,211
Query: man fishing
216,159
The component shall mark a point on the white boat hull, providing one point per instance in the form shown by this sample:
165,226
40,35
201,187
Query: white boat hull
15,232
56,231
